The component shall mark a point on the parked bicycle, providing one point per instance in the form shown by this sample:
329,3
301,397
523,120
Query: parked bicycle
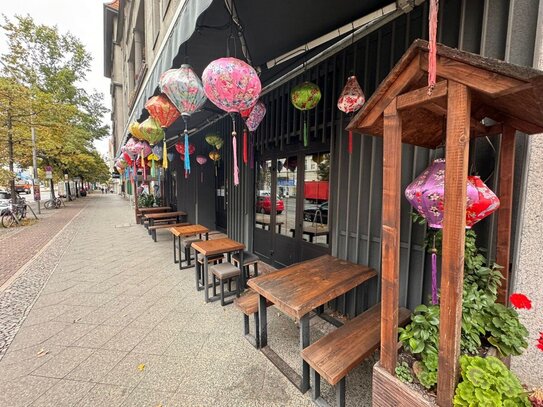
14,213
54,203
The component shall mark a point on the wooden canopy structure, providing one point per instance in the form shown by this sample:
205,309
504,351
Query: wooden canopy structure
471,91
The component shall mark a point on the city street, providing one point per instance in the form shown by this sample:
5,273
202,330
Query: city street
102,316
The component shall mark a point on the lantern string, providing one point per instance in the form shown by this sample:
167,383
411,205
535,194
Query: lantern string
251,162
245,152
432,55
435,300
235,151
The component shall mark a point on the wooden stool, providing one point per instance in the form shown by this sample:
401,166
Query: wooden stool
226,272
186,245
248,260
199,269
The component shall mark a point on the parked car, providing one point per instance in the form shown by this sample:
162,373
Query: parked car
263,204
311,213
5,199
23,186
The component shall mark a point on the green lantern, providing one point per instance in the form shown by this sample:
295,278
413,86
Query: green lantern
151,131
305,96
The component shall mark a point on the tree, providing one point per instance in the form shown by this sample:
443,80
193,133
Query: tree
40,86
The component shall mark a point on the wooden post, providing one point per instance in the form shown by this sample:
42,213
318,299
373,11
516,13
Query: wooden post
454,224
507,172
390,269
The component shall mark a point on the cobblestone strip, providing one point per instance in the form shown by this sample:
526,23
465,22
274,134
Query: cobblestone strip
16,301
18,248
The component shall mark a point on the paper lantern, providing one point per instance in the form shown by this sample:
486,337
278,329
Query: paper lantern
487,202
200,159
127,158
162,110
134,129
185,91
351,100
233,86
305,96
132,147
214,141
253,118
151,131
182,150
157,151
171,156
215,157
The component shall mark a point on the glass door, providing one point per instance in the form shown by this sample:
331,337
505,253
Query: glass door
291,219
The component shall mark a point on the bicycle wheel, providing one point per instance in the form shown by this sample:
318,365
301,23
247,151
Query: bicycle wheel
48,204
8,220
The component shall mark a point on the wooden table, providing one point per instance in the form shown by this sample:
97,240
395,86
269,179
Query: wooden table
179,232
313,231
299,289
264,220
218,246
152,217
154,209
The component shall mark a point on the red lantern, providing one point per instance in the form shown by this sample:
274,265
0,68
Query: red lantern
162,110
486,203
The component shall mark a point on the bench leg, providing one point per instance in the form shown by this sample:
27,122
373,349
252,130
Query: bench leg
174,251
340,393
263,318
316,388
257,330
215,286
246,330
154,235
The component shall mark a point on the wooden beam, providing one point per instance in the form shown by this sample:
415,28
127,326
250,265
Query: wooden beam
506,178
479,127
454,224
390,263
420,96
411,74
477,78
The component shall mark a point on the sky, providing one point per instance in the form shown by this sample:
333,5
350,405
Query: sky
84,19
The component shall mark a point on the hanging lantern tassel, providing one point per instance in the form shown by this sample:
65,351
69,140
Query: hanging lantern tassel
435,300
235,151
142,159
187,155
144,170
153,169
306,130
432,54
164,155
245,155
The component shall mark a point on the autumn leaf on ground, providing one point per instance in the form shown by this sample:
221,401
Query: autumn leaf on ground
42,352
141,367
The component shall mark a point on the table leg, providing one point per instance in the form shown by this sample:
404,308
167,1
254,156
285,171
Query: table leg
174,250
206,279
149,224
311,237
207,235
263,316
304,343
242,270
179,252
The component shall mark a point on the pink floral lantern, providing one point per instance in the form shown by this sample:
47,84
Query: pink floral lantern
427,195
233,86
143,150
201,159
186,92
351,100
253,117
132,147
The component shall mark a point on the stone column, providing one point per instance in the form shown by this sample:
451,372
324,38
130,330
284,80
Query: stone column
138,50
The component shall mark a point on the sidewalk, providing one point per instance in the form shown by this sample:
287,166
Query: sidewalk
118,323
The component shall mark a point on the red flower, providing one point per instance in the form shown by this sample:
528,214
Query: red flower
520,301
540,341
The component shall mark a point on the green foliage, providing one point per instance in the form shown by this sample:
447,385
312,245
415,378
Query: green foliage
146,200
506,332
488,382
404,373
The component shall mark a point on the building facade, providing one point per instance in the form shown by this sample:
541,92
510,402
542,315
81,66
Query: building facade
272,209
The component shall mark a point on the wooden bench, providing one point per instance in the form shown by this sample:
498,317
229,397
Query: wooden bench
339,352
154,228
248,304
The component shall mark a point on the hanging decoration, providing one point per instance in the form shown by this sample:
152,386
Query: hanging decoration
134,129
185,151
170,156
143,150
127,158
131,147
427,195
200,159
215,157
351,100
186,92
165,113
233,86
304,97
214,141
151,131
252,122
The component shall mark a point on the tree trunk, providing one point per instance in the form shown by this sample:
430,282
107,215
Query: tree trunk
11,160
52,189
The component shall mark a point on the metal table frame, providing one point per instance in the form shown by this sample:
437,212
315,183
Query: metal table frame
177,251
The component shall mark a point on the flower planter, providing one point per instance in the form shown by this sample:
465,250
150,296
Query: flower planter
390,391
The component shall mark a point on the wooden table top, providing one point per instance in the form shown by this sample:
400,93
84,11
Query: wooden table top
163,215
189,230
217,246
154,209
302,287
316,230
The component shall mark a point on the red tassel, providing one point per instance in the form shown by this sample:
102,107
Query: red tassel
350,142
432,45
245,156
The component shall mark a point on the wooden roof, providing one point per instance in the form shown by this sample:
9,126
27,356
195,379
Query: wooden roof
500,91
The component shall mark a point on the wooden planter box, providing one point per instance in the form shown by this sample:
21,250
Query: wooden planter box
389,391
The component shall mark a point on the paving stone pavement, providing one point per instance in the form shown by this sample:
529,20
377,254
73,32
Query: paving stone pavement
118,324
